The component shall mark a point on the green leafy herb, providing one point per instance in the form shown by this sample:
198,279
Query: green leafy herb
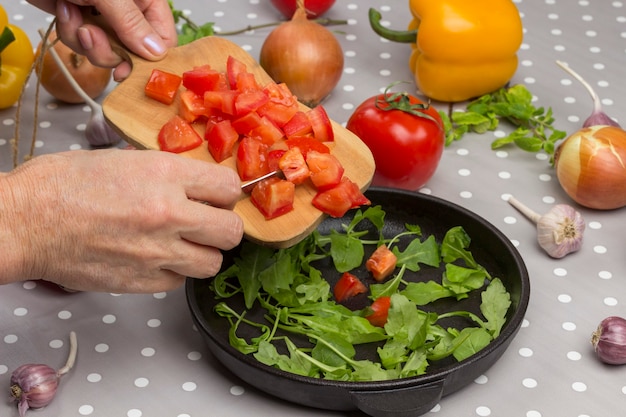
534,130
296,303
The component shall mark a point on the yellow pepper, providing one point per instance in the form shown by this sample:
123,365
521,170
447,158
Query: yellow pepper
16,59
461,49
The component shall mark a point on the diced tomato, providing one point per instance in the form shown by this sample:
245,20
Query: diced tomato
267,131
201,79
246,81
307,144
251,158
273,197
282,105
294,167
298,125
339,199
273,156
162,86
221,100
221,139
379,311
248,101
326,170
192,106
234,67
321,125
348,286
246,123
177,136
381,263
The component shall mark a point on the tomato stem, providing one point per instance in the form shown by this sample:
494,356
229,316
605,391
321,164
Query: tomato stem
406,36
402,102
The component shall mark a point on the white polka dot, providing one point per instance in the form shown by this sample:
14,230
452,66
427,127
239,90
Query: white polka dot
64,315
154,323
533,413
605,275
29,285
560,272
574,356
462,152
481,380
483,411
134,413
504,175
529,383
148,352
525,352
599,249
194,356
3,369
564,298
545,177
56,344
610,301
579,386
548,199
465,194
502,154
101,348
109,319
510,220
141,382
20,311
464,172
94,377
594,225
525,323
10,338
85,410
159,295
189,386
569,326
436,408
237,390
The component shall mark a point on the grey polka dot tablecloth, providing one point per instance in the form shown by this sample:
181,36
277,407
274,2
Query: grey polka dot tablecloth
139,355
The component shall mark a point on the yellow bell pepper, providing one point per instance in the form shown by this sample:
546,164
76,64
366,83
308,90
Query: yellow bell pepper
16,60
461,49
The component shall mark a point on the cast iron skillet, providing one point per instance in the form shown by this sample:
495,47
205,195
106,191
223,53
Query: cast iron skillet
395,398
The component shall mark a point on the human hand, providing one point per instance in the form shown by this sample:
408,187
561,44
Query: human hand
120,220
146,27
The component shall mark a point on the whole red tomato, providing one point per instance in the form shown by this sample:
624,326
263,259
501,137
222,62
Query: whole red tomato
314,8
405,135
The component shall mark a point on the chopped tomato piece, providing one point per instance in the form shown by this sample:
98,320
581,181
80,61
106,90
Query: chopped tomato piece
294,167
178,136
379,311
162,86
282,105
192,106
248,101
246,81
221,139
298,125
326,170
251,158
201,79
321,125
348,286
267,131
273,197
339,199
221,100
246,123
273,156
381,263
234,67
307,144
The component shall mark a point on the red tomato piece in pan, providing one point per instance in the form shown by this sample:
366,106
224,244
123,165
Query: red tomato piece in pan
347,287
379,311
381,263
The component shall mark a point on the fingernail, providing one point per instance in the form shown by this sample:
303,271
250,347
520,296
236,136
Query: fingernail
154,44
84,37
63,12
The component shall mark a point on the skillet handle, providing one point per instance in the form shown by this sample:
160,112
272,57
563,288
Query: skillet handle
401,402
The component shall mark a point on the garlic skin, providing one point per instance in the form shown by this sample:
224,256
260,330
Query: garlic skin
33,386
560,231
609,340
591,167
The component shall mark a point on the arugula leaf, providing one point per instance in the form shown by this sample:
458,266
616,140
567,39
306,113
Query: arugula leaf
494,306
462,280
251,261
426,252
423,293
454,246
346,251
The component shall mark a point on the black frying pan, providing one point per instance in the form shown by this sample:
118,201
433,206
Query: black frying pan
395,398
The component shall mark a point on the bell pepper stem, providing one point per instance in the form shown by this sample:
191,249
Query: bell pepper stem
6,38
406,36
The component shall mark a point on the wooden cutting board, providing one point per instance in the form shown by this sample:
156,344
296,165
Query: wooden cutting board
138,119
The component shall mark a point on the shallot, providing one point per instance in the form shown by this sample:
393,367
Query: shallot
35,385
305,56
591,163
609,340
559,232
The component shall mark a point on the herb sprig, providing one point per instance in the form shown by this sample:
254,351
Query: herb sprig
534,130
296,301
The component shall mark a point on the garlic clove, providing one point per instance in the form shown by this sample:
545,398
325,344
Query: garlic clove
609,340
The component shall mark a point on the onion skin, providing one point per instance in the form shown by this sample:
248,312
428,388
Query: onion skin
305,56
609,340
591,167
94,80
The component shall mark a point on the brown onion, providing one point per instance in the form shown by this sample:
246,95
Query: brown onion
94,80
305,56
591,167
